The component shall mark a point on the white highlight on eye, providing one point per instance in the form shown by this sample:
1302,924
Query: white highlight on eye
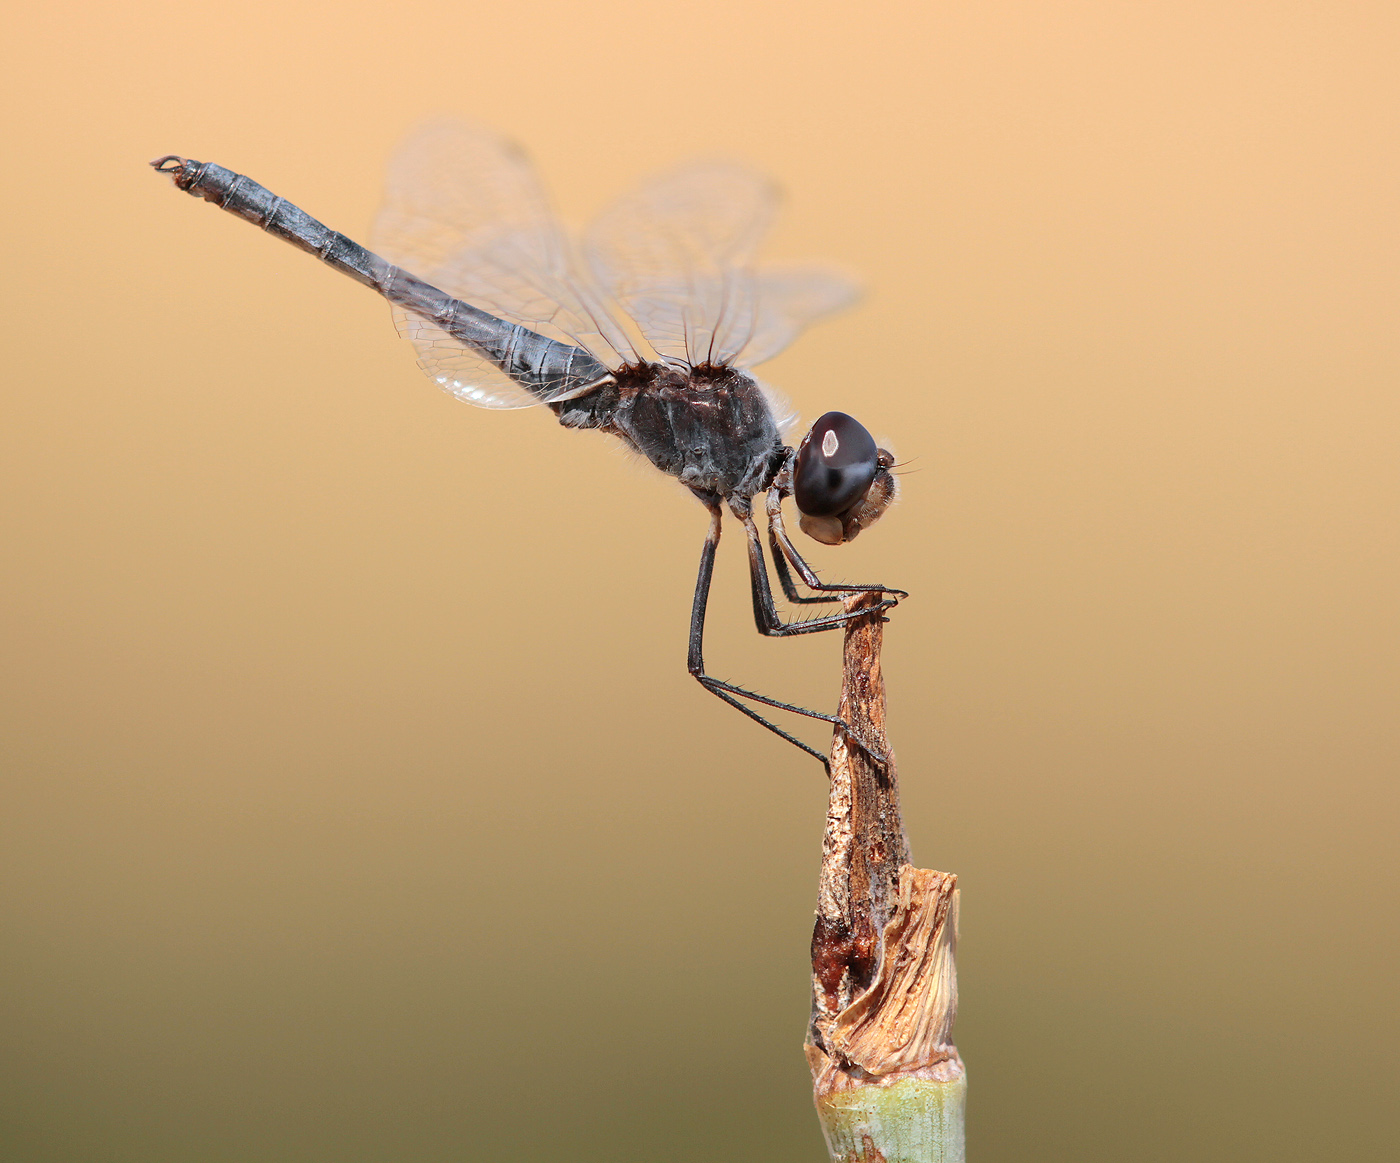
830,444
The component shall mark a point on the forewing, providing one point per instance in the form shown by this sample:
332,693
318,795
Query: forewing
677,255
465,211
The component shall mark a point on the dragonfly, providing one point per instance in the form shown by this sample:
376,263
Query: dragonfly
643,328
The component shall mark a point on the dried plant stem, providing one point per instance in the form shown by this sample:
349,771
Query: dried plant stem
888,1082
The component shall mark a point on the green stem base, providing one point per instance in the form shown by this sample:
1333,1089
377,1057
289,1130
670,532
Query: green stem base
913,1120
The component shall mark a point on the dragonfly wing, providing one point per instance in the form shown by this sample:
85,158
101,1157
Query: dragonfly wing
786,301
677,255
465,211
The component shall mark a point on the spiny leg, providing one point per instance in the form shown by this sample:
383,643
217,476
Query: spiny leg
695,659
784,551
766,618
780,565
765,612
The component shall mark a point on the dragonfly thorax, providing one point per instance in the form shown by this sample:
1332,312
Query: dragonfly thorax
710,427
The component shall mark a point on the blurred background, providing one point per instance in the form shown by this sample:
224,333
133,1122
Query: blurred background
357,804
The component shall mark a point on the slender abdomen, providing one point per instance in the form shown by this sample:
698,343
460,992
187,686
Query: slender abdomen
544,366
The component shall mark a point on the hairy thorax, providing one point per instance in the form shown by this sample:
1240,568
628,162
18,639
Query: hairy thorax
710,427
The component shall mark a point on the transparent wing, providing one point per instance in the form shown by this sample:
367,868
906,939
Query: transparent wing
787,300
677,255
465,211
457,369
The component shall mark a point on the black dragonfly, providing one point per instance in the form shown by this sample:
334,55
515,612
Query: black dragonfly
643,329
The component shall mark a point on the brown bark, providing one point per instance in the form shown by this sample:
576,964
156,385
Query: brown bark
884,987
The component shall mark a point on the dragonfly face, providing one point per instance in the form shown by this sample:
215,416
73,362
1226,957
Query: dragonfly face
841,481
644,328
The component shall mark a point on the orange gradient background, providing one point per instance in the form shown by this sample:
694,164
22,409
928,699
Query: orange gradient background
357,804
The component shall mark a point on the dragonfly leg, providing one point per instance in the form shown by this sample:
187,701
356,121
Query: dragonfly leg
765,612
728,692
785,551
780,567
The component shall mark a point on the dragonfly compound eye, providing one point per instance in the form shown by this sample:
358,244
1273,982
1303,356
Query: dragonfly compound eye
841,481
835,466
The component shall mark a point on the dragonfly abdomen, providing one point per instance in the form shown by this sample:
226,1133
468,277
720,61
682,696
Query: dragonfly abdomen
548,368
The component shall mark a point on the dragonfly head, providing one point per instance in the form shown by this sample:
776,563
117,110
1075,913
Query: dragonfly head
841,481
